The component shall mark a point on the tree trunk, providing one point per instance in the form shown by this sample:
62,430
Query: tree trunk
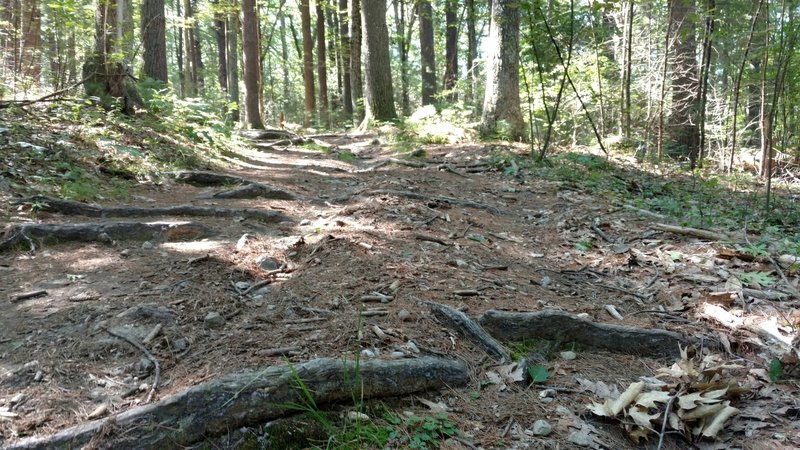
219,33
308,63
472,53
402,50
322,70
287,100
451,51
197,54
190,71
379,98
334,57
252,66
427,54
344,34
31,32
355,59
232,62
501,100
705,67
627,45
154,42
685,79
179,54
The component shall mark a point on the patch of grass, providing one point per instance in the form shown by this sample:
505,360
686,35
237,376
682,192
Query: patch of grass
346,156
316,147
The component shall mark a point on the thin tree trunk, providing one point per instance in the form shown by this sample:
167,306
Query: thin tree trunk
355,59
428,58
379,94
309,102
232,62
322,70
219,33
345,50
179,55
334,58
705,67
662,98
451,50
287,100
402,50
31,33
472,53
626,78
737,85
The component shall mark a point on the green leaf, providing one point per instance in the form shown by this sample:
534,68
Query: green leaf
538,373
775,370
583,246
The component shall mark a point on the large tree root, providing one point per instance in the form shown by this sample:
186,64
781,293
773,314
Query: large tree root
83,209
19,235
269,134
459,321
558,325
239,399
436,198
246,189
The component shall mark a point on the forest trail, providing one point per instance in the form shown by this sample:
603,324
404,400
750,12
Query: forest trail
348,261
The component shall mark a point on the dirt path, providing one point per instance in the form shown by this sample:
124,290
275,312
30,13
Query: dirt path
365,246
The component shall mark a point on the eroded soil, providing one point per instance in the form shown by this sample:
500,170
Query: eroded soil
524,245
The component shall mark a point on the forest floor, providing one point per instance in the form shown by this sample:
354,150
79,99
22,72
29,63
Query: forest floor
366,243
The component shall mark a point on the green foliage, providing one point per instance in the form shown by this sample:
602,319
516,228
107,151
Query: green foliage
775,370
422,433
757,279
758,249
538,373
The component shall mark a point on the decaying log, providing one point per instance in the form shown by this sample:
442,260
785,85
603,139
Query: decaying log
269,134
255,190
103,232
84,209
459,321
215,407
435,198
564,327
205,178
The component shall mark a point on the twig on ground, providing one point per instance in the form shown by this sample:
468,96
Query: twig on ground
666,417
602,234
26,295
255,286
148,355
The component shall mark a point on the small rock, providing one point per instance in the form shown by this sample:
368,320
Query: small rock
397,355
267,263
180,345
143,387
18,398
355,415
541,428
147,245
375,141
259,293
104,237
98,412
38,377
546,281
367,353
563,411
568,355
242,285
143,368
418,152
125,253
460,263
583,316
404,315
305,222
411,345
214,320
547,393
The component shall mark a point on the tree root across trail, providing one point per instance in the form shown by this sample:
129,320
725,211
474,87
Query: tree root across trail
239,399
245,189
70,207
20,235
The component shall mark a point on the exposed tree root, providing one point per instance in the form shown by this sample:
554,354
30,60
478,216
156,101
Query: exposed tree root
239,399
205,178
558,325
436,198
246,188
70,207
103,232
270,134
459,321
255,190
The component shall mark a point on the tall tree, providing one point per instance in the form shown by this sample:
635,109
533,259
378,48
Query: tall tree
451,50
219,34
402,50
705,68
287,93
251,42
685,78
627,45
308,62
232,61
322,70
154,34
356,86
31,21
191,70
501,100
472,52
426,49
344,43
379,96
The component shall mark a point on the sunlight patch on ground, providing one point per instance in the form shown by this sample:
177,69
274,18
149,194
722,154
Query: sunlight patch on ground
93,263
194,246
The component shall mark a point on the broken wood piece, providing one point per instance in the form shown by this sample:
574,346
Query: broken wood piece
695,232
449,168
235,400
26,295
462,323
197,259
374,312
429,238
100,232
148,355
280,351
765,294
153,333
376,297
466,293
564,327
254,286
644,212
720,315
612,310
602,234
378,332
70,207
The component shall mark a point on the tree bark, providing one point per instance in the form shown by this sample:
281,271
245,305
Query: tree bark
154,34
427,54
472,52
322,70
232,62
252,65
501,100
190,80
219,34
685,79
402,50
179,54
345,50
379,96
287,92
451,51
308,63
705,67
31,31
356,82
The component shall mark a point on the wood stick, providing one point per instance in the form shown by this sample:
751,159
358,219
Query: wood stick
148,355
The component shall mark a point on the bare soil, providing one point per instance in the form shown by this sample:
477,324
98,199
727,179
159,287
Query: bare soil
533,247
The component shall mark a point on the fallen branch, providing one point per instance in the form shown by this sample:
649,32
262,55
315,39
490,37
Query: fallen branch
26,295
148,355
70,207
459,321
244,398
102,232
48,97
561,326
696,232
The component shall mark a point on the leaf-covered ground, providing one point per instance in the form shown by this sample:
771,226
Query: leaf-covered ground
368,242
